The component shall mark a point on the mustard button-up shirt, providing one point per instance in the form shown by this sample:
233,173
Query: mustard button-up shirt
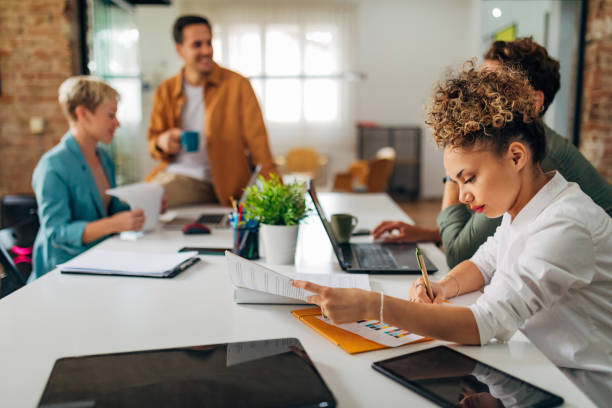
236,138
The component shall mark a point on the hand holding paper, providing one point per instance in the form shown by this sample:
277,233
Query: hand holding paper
250,275
147,196
341,305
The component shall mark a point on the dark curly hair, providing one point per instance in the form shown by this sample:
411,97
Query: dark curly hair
526,54
488,108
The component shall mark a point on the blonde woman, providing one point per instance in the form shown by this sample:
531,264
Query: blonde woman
70,180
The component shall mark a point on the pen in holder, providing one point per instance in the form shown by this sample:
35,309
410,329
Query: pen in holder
246,238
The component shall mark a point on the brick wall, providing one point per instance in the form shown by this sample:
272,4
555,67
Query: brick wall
38,50
596,125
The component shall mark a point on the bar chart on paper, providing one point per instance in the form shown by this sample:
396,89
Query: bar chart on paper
381,333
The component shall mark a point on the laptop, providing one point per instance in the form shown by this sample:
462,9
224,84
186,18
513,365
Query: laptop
379,258
221,220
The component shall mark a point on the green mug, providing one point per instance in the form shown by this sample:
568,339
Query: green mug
343,225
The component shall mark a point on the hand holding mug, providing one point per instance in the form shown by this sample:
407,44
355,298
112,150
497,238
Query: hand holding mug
169,141
190,140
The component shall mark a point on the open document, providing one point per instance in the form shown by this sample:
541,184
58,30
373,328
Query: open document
258,284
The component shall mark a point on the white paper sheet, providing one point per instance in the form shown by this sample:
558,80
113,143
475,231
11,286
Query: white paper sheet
250,275
246,274
142,195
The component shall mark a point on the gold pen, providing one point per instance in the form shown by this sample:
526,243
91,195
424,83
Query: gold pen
423,269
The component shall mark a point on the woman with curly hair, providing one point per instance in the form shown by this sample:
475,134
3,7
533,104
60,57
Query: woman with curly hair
547,270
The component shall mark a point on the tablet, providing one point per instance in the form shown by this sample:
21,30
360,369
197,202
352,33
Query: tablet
451,379
265,373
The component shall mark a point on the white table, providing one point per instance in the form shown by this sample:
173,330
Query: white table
69,315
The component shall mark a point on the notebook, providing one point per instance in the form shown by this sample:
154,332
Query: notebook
117,263
371,257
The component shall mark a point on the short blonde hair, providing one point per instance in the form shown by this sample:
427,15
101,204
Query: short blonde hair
84,90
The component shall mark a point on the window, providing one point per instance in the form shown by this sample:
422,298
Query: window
294,69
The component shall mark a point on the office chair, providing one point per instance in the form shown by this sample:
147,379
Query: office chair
12,279
367,175
305,162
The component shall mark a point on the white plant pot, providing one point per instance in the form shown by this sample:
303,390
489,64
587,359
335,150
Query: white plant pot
279,242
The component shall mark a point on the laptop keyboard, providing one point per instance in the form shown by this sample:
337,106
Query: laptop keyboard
210,218
372,256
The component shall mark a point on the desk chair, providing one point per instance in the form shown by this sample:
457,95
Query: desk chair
379,175
12,278
303,162
367,175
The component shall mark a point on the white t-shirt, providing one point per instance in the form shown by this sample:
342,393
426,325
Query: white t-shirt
193,164
548,273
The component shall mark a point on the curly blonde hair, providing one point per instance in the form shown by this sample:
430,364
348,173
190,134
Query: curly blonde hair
489,108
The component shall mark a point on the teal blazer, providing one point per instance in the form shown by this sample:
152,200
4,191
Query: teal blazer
67,198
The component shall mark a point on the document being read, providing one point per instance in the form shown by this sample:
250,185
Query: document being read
250,275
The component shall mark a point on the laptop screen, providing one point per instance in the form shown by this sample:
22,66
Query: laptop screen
252,182
326,225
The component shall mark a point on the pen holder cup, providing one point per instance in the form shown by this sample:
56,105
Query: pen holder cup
246,241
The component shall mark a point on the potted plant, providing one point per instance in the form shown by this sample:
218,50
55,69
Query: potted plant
279,208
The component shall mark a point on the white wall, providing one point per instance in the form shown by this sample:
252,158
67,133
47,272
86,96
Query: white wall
403,48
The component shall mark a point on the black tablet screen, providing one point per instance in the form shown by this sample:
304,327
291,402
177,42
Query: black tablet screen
266,373
452,379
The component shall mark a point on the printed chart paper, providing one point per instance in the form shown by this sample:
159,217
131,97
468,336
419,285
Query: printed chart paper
381,333
250,275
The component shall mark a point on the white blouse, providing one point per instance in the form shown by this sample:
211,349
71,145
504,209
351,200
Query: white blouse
548,273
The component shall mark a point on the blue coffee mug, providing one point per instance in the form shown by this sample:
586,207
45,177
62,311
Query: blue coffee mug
190,140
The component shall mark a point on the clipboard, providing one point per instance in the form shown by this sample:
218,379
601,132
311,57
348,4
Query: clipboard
350,342
171,273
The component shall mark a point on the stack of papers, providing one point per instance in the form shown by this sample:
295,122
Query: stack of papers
257,284
100,262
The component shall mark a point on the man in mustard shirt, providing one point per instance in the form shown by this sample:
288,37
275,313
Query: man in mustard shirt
221,107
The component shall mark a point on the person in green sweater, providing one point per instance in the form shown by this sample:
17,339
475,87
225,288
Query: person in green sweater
462,231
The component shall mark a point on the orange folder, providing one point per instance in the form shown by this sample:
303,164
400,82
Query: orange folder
350,342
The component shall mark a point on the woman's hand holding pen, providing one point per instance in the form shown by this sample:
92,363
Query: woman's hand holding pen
418,292
342,305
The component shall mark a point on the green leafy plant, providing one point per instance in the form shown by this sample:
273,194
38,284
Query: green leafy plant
275,203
